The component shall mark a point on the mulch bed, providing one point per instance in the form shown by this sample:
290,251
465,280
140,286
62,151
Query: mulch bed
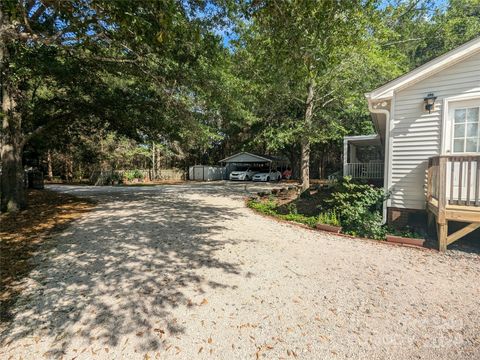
308,205
22,233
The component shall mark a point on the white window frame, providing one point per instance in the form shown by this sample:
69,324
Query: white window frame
449,106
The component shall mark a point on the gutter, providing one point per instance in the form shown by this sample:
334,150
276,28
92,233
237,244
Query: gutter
387,150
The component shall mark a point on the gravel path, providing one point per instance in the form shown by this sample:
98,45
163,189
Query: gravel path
187,272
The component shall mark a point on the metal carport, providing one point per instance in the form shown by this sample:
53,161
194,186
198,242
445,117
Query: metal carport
246,158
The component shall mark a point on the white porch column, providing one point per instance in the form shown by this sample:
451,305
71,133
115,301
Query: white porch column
353,153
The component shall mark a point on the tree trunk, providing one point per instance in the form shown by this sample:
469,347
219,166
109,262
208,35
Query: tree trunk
154,163
305,143
68,167
12,182
12,189
49,166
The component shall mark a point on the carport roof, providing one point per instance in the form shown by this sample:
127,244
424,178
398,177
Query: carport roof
246,157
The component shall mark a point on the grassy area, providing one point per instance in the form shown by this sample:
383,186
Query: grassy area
23,233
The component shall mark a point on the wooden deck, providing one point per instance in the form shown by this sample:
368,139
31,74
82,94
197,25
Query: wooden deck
453,194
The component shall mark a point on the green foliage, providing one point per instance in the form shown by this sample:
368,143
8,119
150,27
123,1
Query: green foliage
406,232
112,177
146,70
329,218
266,207
291,208
269,207
359,208
299,218
117,177
131,175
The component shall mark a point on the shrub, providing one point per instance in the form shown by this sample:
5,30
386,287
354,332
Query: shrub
116,177
359,208
291,208
407,232
269,207
329,218
130,175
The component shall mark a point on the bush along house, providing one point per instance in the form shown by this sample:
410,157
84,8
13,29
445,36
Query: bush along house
428,144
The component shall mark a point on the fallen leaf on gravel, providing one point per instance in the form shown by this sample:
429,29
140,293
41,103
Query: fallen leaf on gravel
200,350
106,350
146,357
140,333
204,302
323,338
210,340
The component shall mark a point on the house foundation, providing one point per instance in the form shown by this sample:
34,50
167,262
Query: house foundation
400,217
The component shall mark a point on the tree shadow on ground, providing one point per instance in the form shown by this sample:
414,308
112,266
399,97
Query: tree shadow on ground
23,233
120,271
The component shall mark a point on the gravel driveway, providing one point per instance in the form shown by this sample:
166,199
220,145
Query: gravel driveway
187,272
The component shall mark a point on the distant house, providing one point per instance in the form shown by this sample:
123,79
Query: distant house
428,142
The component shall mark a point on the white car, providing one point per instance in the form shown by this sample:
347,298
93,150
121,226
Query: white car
245,174
267,176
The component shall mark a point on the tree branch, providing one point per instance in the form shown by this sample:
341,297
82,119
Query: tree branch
29,136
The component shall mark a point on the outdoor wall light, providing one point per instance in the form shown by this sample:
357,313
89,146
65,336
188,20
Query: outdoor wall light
429,102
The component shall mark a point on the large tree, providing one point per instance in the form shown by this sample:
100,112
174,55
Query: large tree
131,66
311,61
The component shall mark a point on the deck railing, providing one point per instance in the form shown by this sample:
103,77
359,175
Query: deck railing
364,170
454,180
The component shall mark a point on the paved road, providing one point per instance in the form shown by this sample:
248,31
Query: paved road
186,272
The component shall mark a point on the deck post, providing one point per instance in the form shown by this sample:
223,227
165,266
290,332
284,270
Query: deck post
442,189
442,236
442,202
429,180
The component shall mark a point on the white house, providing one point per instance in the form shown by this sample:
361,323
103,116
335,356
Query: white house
428,125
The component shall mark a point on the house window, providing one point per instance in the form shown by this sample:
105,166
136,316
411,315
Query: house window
466,130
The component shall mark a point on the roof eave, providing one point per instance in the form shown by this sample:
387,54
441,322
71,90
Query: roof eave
432,67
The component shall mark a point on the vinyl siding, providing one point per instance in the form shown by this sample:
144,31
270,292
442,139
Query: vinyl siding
416,135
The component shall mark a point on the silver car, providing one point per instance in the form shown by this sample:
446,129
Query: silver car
271,175
244,174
